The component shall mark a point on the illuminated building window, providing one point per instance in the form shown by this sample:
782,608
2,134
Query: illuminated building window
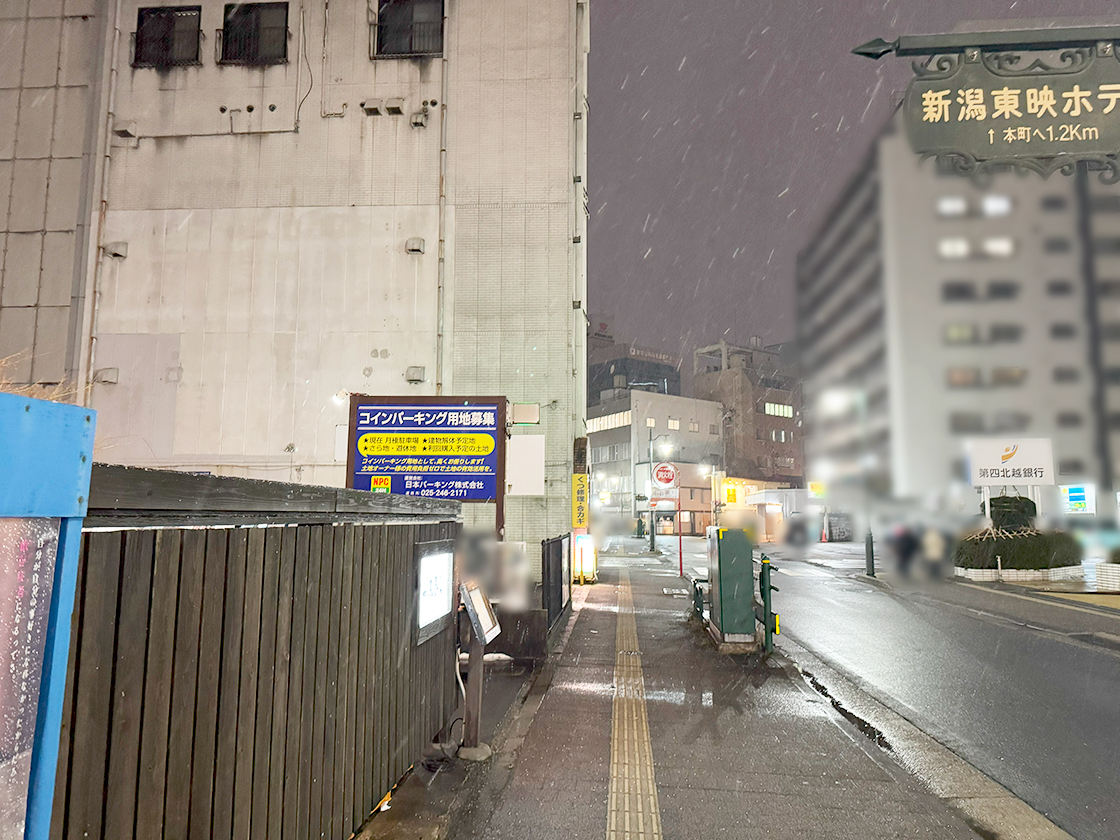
999,246
962,334
996,205
963,377
674,425
953,248
1008,375
949,206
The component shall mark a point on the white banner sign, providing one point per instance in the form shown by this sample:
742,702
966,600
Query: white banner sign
997,461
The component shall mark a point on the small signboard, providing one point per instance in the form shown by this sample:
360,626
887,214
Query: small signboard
434,447
580,499
1002,461
484,622
435,585
1079,499
665,475
816,490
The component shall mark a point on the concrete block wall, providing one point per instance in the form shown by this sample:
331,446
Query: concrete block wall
49,71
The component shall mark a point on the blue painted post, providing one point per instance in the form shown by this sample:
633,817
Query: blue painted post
46,455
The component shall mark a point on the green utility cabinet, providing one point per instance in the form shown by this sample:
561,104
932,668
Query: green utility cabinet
731,620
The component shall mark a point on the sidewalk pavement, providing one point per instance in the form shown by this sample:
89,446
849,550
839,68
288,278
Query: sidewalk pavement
640,729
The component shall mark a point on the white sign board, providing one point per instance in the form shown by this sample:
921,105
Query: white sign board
665,475
1079,499
998,461
435,590
525,465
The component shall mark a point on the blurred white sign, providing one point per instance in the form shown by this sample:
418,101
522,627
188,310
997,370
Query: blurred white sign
997,461
435,588
525,465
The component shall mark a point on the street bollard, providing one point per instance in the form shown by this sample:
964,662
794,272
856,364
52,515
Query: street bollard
766,618
869,553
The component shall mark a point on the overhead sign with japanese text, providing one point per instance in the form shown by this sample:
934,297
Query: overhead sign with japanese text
1023,108
439,448
1001,461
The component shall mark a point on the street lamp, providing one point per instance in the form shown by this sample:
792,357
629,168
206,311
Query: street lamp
836,401
665,449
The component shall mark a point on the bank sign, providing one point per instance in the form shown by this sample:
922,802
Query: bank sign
431,447
1009,461
1016,108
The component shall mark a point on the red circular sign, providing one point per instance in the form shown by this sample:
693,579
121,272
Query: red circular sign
665,475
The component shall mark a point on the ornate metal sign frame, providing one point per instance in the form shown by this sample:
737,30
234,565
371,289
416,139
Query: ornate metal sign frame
1069,56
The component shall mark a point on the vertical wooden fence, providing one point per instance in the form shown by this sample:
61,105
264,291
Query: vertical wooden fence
237,681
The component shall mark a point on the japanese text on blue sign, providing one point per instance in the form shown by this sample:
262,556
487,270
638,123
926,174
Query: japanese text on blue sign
435,451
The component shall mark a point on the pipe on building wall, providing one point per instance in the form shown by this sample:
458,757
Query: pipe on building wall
85,387
323,112
441,263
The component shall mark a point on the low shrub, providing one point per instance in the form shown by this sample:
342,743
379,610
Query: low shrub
1023,549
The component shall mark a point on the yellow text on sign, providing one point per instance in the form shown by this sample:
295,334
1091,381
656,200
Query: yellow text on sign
580,488
395,443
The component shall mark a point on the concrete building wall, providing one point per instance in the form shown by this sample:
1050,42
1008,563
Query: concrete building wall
49,94
266,216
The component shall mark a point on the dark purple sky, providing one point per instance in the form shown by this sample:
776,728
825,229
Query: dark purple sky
719,132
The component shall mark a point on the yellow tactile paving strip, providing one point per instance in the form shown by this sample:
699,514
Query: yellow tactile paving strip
632,809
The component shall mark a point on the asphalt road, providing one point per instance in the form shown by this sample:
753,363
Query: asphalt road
1036,709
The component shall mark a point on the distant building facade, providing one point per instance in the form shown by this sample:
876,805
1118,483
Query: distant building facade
613,369
761,396
937,310
680,430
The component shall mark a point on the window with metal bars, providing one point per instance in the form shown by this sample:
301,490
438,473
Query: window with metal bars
255,33
166,37
407,29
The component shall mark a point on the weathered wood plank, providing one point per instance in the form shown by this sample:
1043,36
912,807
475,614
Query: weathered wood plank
294,725
128,683
203,764
94,686
157,685
229,690
320,793
266,676
247,700
343,748
331,700
282,658
184,686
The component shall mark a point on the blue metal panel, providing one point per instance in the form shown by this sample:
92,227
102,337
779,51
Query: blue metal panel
46,454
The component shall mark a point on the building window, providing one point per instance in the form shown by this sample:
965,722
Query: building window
255,33
1113,420
759,433
1003,290
778,435
166,36
1059,288
1070,466
949,206
1008,376
999,246
961,334
958,290
608,422
1066,374
1108,288
1112,375
1054,203
674,425
953,248
408,28
1109,245
779,409
1062,331
1069,419
1110,332
693,426
651,423
996,205
1056,245
963,377
1010,421
713,429
963,422
1005,333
